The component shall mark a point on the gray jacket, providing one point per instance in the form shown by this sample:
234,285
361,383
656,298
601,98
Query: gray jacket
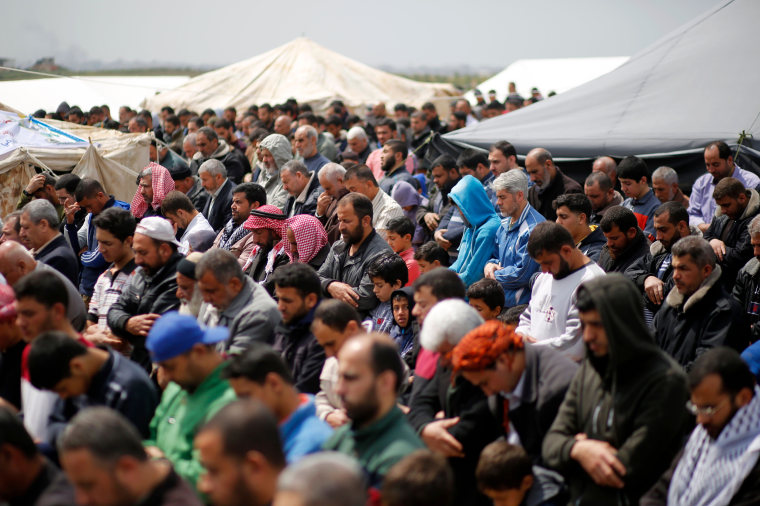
251,316
352,270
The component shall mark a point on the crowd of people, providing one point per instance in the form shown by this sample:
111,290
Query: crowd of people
306,310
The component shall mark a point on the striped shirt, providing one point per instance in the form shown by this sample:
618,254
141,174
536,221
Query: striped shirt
107,290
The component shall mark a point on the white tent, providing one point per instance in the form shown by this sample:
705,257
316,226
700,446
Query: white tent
304,70
112,157
547,74
28,95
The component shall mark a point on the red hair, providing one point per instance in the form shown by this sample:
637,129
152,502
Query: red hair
480,348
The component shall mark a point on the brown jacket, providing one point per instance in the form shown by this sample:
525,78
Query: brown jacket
241,249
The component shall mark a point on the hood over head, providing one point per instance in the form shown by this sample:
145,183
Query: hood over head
407,292
471,198
619,303
279,146
405,194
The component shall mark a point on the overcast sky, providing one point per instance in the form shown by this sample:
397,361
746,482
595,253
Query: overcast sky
400,34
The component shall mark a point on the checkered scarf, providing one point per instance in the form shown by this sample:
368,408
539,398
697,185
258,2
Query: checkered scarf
710,472
231,234
310,237
162,182
266,216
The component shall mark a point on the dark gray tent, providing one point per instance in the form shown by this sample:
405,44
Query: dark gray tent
698,84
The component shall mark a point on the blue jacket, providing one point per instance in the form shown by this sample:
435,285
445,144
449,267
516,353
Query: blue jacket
482,224
303,432
93,263
511,252
644,211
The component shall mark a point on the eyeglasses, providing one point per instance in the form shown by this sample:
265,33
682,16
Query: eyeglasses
704,410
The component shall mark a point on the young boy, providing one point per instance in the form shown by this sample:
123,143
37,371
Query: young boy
430,255
634,177
487,297
399,234
388,272
512,315
405,330
506,475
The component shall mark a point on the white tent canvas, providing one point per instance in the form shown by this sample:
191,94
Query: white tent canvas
112,157
547,74
304,70
28,95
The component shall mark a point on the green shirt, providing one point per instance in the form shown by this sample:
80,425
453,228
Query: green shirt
378,446
179,416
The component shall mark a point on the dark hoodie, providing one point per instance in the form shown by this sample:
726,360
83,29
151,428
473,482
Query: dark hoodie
633,398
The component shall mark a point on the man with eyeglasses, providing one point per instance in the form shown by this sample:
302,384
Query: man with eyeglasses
623,417
719,464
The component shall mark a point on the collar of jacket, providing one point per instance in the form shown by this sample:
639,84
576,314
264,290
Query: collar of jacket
222,150
645,199
303,322
675,299
521,219
657,248
752,267
752,206
362,248
243,298
378,427
632,247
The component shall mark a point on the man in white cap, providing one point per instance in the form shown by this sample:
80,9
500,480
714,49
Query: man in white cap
153,289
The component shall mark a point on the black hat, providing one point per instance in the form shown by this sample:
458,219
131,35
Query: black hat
180,171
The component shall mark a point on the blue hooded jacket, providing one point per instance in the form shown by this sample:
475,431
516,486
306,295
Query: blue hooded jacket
480,235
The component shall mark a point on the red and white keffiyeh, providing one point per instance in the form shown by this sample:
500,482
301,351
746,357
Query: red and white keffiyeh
162,183
266,216
310,237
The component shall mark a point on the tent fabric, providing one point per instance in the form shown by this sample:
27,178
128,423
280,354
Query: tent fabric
28,95
693,86
304,70
547,74
112,157
118,180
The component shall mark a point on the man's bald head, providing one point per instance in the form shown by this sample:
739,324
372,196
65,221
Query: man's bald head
606,165
378,350
540,167
541,155
282,125
15,261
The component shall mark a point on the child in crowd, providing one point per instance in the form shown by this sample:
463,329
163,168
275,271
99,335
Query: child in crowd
487,297
399,235
512,315
409,198
405,330
430,255
388,272
506,475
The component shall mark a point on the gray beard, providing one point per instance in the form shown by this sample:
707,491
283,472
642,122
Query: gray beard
193,306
